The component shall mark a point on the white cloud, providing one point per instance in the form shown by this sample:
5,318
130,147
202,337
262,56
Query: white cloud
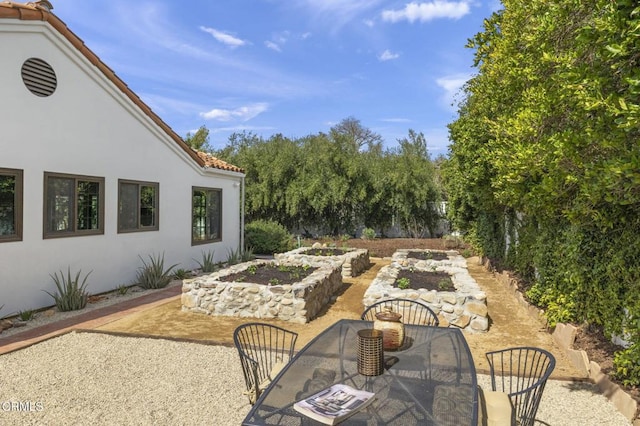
278,40
273,46
223,37
452,85
387,55
424,12
333,15
339,7
244,113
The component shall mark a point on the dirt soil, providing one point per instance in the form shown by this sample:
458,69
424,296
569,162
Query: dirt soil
510,324
269,274
438,281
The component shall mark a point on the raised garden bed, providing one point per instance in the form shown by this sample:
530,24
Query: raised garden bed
461,304
235,291
353,261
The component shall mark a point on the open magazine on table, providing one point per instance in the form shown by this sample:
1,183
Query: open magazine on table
334,404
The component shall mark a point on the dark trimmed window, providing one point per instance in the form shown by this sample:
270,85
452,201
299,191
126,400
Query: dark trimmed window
73,205
137,206
10,205
206,221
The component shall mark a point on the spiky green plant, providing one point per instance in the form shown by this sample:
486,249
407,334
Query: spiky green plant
123,289
26,315
71,295
208,264
247,255
181,274
233,257
152,275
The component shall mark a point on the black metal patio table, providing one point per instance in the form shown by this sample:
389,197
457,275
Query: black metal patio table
430,380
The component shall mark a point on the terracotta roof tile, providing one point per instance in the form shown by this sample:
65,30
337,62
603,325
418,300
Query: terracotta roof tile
211,161
34,11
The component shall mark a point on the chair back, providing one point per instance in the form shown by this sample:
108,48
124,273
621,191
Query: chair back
412,311
521,373
263,349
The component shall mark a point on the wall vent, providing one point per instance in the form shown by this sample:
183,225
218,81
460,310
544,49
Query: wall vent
39,77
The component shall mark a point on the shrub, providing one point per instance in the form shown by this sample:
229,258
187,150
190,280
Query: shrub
153,275
71,295
267,237
368,234
559,307
627,367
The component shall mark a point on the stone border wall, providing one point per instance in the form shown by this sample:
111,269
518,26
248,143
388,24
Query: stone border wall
354,262
466,308
299,302
565,336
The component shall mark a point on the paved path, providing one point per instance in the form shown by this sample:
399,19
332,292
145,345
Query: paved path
89,320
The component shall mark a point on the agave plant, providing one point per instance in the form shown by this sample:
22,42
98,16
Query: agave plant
71,294
233,257
27,315
152,275
208,264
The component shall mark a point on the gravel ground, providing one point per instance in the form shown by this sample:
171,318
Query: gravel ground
99,379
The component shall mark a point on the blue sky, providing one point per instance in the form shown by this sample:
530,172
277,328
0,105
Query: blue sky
295,67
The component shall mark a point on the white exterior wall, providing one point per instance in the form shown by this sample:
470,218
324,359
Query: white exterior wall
89,127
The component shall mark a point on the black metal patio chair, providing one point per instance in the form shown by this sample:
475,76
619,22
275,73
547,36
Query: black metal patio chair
264,351
522,374
412,311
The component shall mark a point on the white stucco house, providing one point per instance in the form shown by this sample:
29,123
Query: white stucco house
90,178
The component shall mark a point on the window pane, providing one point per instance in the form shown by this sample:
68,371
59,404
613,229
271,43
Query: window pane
60,203
207,215
199,215
88,205
147,206
213,215
128,206
7,205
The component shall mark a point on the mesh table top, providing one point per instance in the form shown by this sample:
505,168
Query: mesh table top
429,380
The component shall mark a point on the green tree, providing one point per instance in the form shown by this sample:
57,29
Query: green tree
545,149
416,198
199,140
